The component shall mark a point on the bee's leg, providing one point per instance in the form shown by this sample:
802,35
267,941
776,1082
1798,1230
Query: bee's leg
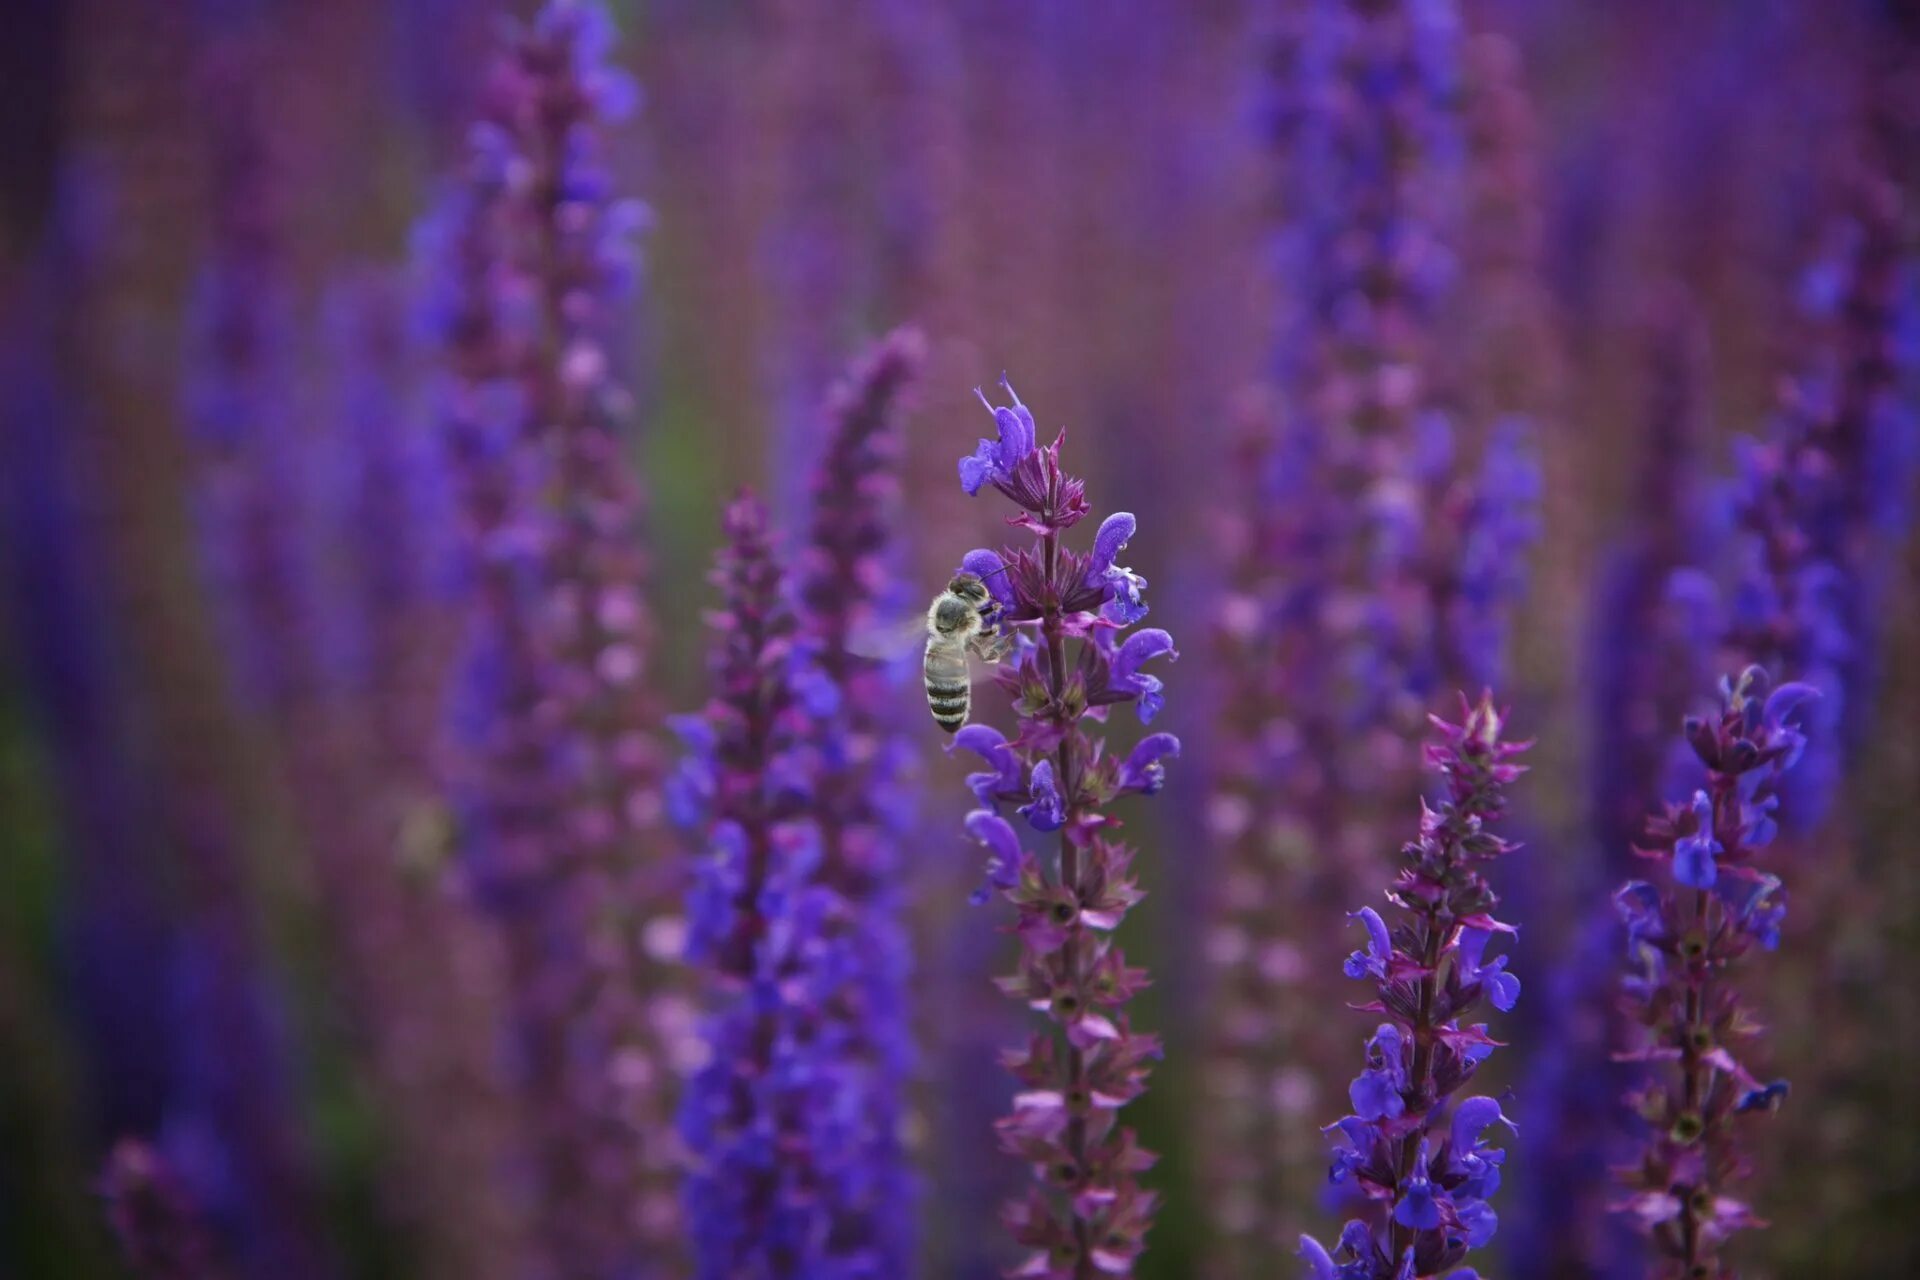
991,647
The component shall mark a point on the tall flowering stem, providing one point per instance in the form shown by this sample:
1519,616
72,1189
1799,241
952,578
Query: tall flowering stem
1689,934
562,805
776,1121
863,805
1426,1186
1065,613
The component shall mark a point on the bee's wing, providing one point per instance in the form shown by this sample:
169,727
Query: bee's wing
889,639
898,643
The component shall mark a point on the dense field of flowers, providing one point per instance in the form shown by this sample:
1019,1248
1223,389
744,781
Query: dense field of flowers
473,480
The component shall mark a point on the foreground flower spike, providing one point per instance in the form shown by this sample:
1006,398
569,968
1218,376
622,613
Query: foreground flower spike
158,1226
1688,935
1086,1213
562,812
863,801
1425,1169
784,1118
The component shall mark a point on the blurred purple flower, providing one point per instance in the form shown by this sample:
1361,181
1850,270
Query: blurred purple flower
1820,501
561,805
863,808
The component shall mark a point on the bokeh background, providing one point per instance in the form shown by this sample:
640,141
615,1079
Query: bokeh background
1080,194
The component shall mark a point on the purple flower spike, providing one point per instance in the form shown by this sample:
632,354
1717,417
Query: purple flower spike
1687,942
1821,501
779,1161
1085,1213
859,758
1426,983
1373,562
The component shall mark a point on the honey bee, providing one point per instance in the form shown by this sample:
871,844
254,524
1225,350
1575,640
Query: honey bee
958,625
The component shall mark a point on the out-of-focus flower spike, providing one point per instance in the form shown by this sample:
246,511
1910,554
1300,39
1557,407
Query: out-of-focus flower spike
561,799
864,803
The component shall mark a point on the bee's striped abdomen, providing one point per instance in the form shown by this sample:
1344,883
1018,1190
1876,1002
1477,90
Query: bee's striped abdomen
947,689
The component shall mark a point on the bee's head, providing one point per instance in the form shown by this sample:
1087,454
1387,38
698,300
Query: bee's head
969,587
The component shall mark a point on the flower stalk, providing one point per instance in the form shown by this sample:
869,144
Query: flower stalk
1426,1188
1688,937
1063,613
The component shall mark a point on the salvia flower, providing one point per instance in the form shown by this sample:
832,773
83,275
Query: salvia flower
1687,941
793,1162
1085,1213
1423,1171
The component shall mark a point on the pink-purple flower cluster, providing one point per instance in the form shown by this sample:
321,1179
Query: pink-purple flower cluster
1688,936
1425,1170
1066,612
